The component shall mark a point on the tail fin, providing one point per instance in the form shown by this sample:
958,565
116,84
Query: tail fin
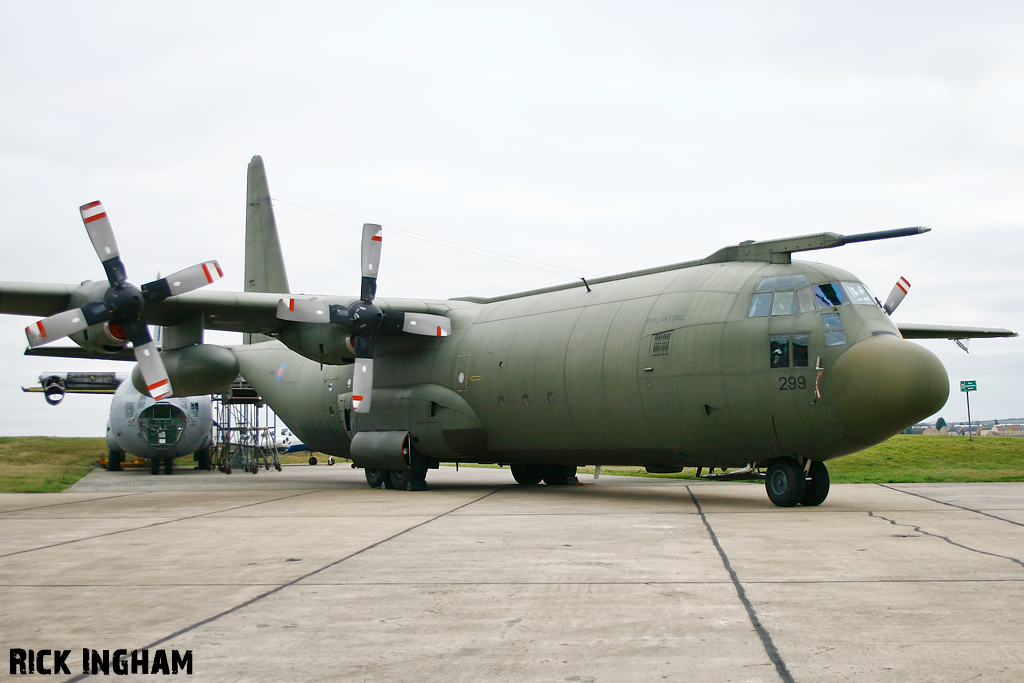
264,264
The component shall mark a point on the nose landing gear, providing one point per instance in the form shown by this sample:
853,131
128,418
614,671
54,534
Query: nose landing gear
788,485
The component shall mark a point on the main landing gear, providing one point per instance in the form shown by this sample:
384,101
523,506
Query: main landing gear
789,484
114,460
412,478
552,475
154,465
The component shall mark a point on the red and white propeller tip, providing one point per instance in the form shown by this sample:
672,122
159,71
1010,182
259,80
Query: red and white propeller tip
101,234
56,327
303,311
362,384
371,246
898,293
153,371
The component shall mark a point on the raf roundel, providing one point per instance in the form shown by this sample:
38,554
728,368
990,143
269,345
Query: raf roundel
280,372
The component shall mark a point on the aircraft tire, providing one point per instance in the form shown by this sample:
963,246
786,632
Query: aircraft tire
785,482
204,461
817,488
560,475
400,479
154,466
312,460
375,478
527,475
168,465
113,461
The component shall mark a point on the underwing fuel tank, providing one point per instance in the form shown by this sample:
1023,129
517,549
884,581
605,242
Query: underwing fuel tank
883,384
195,370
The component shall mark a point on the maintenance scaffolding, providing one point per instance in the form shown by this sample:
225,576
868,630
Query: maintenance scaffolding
245,431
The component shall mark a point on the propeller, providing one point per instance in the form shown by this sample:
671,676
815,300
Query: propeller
899,291
123,304
364,318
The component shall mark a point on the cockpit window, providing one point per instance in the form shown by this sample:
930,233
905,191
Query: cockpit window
785,301
760,305
858,293
804,299
831,294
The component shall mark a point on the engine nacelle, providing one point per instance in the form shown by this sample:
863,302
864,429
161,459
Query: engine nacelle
54,389
195,370
101,339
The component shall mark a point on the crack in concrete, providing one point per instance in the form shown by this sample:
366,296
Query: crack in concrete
952,505
947,539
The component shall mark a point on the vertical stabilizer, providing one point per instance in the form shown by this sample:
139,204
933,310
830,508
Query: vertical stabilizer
264,264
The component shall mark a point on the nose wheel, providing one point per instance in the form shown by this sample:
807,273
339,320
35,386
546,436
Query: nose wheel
788,486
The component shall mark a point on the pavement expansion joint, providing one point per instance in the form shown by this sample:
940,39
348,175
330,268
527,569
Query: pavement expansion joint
762,632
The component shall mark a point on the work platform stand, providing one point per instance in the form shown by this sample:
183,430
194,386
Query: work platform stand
245,429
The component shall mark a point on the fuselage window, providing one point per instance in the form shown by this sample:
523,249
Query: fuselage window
800,354
659,343
779,351
766,284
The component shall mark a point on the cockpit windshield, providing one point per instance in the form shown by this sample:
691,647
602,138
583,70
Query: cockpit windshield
790,294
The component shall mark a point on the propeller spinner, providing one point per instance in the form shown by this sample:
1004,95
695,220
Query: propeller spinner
124,303
364,319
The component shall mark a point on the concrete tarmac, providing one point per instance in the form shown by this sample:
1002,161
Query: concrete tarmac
308,574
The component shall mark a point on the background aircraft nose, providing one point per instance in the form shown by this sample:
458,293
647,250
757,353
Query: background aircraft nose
884,384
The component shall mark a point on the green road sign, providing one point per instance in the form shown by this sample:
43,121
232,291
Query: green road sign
969,385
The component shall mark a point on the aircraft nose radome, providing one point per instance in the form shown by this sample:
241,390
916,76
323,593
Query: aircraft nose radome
884,384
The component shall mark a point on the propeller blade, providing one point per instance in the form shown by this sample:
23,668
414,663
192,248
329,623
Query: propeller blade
101,234
183,281
371,260
362,372
56,327
303,311
362,384
426,324
899,291
153,371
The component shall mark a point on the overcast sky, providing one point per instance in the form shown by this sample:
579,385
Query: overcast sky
598,137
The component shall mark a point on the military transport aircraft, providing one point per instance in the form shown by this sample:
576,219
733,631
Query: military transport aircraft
159,431
744,359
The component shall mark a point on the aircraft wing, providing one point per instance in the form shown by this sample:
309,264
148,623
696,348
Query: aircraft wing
79,352
918,331
29,298
231,311
254,312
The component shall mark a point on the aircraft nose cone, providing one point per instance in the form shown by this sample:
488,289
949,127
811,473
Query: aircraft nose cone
884,384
